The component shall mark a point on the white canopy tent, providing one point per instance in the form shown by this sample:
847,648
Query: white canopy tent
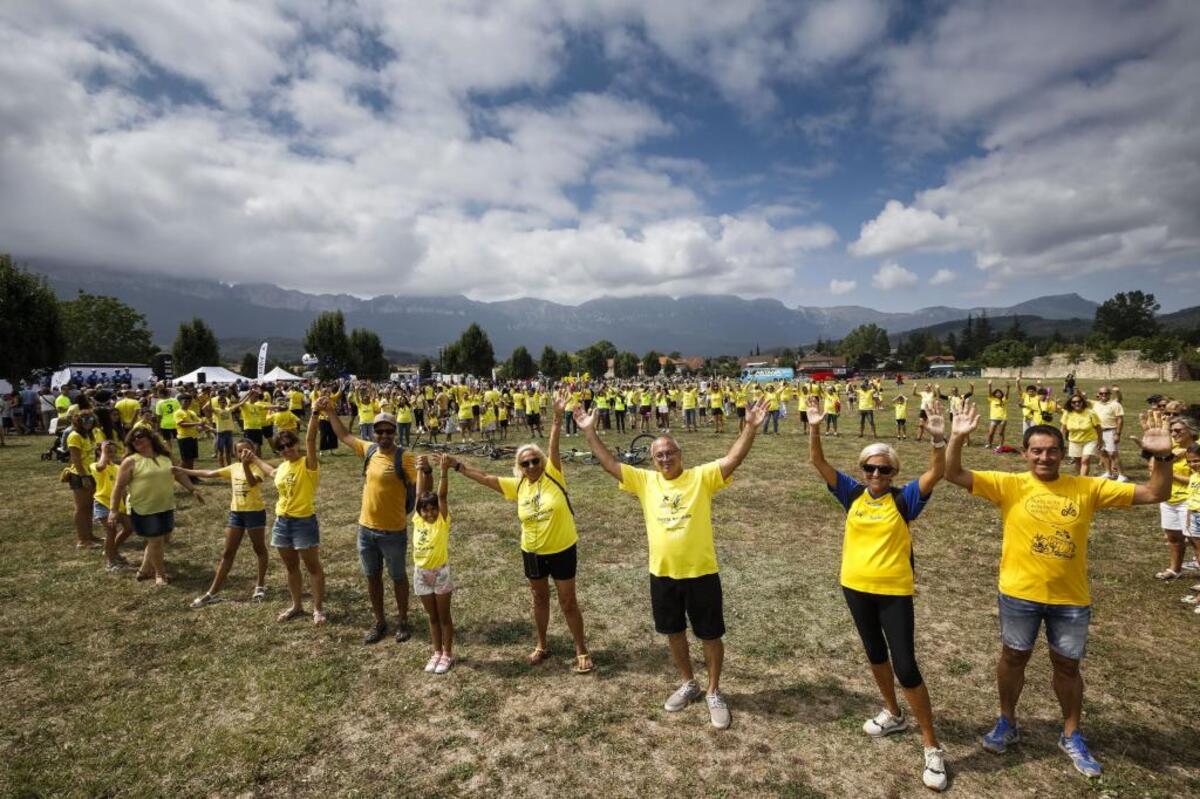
279,373
212,374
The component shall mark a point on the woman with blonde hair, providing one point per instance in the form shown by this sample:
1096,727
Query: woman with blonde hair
548,535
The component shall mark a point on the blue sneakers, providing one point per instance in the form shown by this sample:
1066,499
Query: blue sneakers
1076,749
1003,734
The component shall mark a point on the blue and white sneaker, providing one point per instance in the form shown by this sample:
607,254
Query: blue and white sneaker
1003,734
1076,749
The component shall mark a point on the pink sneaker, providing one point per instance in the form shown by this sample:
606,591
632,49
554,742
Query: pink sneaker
434,660
443,665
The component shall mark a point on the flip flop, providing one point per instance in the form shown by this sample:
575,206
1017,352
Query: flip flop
289,614
583,664
537,656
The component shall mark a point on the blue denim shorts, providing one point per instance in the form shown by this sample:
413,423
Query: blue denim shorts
99,512
225,439
377,546
1066,626
247,519
296,532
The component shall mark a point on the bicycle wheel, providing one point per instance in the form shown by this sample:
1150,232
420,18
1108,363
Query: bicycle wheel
639,450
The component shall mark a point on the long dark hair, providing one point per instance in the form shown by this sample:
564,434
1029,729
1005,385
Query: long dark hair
157,443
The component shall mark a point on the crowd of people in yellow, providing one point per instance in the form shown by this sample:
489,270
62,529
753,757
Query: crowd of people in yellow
121,466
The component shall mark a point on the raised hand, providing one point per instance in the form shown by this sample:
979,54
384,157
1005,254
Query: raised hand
965,420
757,414
585,421
1156,439
422,462
247,456
936,423
561,398
448,461
815,412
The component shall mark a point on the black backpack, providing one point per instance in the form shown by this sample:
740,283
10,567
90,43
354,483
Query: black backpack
410,490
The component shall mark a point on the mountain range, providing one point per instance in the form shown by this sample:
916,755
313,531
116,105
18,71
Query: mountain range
693,325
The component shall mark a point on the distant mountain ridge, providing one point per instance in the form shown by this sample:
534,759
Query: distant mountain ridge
697,324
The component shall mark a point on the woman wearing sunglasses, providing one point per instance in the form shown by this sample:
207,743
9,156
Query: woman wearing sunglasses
548,536
81,446
877,573
1081,429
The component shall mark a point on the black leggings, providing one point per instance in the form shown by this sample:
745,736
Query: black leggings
886,623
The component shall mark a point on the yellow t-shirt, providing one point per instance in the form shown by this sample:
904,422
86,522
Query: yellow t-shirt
866,399
1044,554
678,515
689,399
252,416
86,447
295,400
901,407
715,398
404,414
282,420
244,496
431,542
367,411
1180,468
127,409
62,404
831,404
223,418
165,409
533,403
1081,426
183,416
1108,412
105,479
383,491
877,544
1193,495
297,487
997,409
547,524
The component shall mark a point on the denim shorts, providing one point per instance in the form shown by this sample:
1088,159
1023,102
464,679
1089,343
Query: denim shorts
1066,626
296,532
247,519
99,512
225,440
377,546
1193,529
153,525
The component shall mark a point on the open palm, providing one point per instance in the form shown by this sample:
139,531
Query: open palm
965,420
814,413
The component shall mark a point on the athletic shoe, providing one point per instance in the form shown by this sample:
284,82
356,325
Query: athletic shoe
207,599
1191,565
1106,476
1001,736
434,660
1120,478
1191,599
935,768
375,634
1076,749
260,593
443,665
718,711
885,724
688,692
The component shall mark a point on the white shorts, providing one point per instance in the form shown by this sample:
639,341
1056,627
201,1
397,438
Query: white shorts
432,581
1109,435
1076,449
1172,514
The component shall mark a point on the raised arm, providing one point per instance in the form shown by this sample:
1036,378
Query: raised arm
467,470
965,421
263,466
970,391
206,474
443,489
325,405
816,453
587,423
755,415
1156,440
558,404
936,426
186,481
310,441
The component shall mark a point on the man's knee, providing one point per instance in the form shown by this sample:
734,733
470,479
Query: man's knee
1014,658
1064,666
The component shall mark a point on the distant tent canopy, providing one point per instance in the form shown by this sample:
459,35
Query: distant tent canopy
279,373
211,374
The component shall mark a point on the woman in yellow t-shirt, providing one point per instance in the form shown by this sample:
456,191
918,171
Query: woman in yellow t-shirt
997,415
81,443
1173,512
877,573
432,580
247,515
548,535
296,535
1081,429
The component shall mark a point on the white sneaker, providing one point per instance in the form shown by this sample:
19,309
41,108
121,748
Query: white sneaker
1106,476
935,769
1120,478
884,724
1191,565
688,692
718,711
434,660
207,599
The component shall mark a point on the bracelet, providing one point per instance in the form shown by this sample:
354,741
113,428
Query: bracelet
1148,455
940,444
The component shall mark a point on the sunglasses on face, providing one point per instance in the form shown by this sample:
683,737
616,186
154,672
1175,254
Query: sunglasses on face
385,431
529,464
287,444
878,468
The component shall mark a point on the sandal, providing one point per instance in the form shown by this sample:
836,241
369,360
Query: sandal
537,656
583,664
319,617
260,592
289,614
1168,574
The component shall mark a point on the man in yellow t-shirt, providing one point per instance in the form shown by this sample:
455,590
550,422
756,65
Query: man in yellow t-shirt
383,518
684,581
867,402
188,425
1112,423
127,412
1043,564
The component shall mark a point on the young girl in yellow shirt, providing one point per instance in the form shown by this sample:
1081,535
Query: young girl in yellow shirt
432,581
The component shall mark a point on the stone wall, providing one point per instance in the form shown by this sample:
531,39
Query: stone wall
1129,366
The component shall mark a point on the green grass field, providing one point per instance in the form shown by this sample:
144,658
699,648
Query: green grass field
116,688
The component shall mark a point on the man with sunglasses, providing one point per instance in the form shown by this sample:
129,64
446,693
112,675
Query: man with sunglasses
383,519
684,581
1047,517
1107,406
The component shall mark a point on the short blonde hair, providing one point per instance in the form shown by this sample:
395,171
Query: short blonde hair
879,448
526,448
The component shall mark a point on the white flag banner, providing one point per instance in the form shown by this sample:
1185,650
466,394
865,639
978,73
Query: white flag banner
60,378
262,360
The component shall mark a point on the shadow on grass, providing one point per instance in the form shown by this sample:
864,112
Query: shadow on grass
816,702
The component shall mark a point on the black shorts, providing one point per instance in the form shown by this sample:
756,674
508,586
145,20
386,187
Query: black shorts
534,419
268,431
254,434
560,565
189,448
718,412
741,412
698,599
867,415
924,415
167,433
85,483
298,413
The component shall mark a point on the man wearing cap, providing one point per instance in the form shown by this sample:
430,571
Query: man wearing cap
383,520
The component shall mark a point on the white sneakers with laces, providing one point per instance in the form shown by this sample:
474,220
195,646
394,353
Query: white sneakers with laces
934,775
885,724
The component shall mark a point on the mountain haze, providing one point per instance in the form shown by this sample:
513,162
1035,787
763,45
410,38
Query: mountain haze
698,324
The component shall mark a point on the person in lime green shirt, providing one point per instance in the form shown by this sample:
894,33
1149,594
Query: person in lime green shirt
684,581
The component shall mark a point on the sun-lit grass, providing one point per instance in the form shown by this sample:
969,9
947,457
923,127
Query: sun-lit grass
112,687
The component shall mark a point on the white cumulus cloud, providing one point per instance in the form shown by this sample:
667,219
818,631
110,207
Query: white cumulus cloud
942,276
893,276
842,286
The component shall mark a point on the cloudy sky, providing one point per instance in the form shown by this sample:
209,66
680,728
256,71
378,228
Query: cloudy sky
877,152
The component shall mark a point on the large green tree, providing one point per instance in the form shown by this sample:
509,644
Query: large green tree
594,359
865,345
105,330
521,365
472,353
651,366
1007,354
625,365
31,333
195,346
367,360
1127,314
326,338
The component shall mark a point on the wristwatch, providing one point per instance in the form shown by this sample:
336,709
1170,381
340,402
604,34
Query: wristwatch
1148,455
939,444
